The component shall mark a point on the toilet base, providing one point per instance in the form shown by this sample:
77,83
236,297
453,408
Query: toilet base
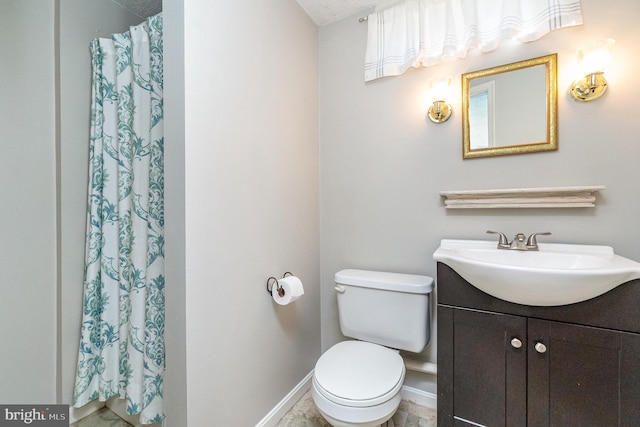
345,416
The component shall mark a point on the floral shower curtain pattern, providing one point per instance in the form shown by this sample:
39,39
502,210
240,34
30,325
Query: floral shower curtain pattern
122,350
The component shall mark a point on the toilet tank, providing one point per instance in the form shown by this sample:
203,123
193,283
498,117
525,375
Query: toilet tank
390,309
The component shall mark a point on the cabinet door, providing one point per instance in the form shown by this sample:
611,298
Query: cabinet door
481,374
582,376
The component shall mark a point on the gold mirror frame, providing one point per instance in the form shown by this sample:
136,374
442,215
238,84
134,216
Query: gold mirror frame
551,144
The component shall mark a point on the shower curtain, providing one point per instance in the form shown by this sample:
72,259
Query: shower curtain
122,349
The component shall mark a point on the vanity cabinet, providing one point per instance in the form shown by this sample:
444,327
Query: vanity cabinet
505,364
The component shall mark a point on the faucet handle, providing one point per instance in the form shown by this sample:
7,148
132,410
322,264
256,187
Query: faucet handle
532,243
503,242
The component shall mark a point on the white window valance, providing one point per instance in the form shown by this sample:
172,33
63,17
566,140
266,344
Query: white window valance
420,33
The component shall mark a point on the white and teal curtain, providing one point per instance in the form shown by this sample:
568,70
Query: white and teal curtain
122,351
420,33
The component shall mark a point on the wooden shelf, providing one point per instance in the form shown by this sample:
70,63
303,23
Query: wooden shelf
551,197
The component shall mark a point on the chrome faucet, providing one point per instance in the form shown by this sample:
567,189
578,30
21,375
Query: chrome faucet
519,242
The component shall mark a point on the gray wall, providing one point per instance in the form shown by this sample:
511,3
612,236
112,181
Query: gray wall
175,392
383,163
28,195
248,206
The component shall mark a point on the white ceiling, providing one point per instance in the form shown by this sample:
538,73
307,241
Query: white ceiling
326,11
321,11
142,8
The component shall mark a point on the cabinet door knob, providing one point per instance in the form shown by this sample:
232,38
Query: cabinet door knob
516,343
540,348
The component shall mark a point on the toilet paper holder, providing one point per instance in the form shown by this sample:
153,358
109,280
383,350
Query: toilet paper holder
279,288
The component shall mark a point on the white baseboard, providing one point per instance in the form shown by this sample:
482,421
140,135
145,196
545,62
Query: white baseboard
280,410
419,397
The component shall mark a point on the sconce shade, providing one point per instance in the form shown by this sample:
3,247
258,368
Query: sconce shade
593,58
439,87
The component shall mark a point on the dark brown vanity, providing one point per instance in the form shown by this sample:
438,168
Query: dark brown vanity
506,364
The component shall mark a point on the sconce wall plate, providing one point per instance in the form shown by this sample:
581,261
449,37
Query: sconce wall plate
439,111
590,88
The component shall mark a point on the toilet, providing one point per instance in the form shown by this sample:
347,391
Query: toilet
358,382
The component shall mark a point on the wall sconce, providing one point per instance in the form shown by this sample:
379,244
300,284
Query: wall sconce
440,109
593,59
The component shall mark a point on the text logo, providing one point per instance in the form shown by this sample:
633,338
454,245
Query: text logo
34,415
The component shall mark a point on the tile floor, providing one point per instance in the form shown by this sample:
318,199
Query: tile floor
305,414
102,418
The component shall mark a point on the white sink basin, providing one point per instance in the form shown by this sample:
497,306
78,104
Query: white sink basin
556,274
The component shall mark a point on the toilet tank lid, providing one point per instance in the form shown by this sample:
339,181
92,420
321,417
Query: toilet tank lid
399,282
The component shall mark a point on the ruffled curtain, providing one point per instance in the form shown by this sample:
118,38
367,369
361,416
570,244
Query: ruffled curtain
420,33
122,350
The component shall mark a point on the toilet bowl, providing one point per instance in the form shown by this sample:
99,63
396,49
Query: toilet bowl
358,383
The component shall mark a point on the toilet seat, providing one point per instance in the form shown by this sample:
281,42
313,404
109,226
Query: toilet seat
359,374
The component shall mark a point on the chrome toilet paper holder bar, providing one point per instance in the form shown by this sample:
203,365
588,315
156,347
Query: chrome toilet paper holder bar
278,287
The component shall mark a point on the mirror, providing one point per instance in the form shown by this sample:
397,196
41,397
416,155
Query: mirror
510,109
